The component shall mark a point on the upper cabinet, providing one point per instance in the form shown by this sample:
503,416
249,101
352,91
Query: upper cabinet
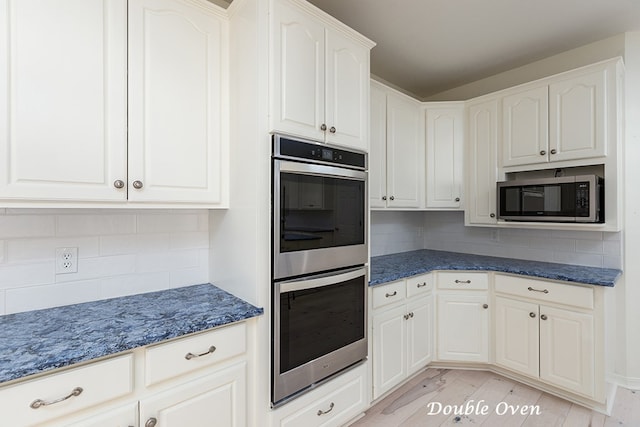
564,118
113,104
396,160
444,137
320,77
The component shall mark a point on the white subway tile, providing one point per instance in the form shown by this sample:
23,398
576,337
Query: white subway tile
17,226
158,242
612,248
195,240
17,275
551,244
37,250
39,297
167,261
113,287
189,276
121,244
203,221
2,299
514,240
613,236
95,268
578,235
612,262
2,251
3,211
590,260
167,223
590,246
95,225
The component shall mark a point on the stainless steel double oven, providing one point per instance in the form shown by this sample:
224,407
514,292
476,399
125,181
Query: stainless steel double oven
319,235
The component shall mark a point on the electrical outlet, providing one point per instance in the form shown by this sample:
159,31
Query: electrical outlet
66,260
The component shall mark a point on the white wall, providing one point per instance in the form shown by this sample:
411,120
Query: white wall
121,252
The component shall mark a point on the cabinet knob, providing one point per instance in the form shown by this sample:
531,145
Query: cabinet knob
543,317
485,306
332,129
532,315
542,152
392,198
137,185
151,422
118,183
323,127
553,151
384,197
492,215
457,199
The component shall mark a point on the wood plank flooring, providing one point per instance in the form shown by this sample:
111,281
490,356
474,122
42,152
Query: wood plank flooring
490,400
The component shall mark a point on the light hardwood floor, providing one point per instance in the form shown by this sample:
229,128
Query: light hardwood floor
410,405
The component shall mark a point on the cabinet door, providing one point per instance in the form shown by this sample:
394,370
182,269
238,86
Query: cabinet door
217,399
463,327
389,357
525,127
378,149
445,161
346,95
176,100
567,349
516,336
483,173
405,153
63,70
578,117
298,64
419,334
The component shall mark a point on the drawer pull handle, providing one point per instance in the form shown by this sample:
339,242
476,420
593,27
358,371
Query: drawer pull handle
151,422
190,355
39,402
463,281
544,291
388,295
321,412
422,285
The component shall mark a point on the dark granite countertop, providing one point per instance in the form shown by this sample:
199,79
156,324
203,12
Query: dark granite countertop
37,341
388,268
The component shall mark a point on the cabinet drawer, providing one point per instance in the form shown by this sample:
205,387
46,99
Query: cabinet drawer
388,294
463,280
168,360
578,296
418,285
332,410
35,402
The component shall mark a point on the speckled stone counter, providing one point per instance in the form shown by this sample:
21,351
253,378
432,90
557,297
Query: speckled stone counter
388,268
37,341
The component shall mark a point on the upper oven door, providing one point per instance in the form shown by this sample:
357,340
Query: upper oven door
320,218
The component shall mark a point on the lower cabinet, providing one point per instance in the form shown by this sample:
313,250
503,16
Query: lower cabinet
402,331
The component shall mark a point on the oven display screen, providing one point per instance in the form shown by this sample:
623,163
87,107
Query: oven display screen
327,154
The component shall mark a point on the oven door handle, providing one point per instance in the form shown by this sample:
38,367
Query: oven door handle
321,280
319,170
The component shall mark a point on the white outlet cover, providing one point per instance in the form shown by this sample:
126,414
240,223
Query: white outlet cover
66,260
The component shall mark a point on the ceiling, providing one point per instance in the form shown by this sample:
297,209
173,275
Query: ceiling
425,47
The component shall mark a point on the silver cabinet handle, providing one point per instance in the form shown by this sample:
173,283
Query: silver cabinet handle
39,402
411,315
485,306
323,127
532,315
118,183
190,355
151,422
492,215
553,151
137,185
332,129
321,412
544,291
388,295
406,317
463,281
543,317
421,285
542,152
392,198
384,197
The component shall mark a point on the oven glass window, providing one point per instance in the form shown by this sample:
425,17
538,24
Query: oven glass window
320,212
315,322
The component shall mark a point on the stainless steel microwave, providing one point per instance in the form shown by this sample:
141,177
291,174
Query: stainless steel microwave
560,199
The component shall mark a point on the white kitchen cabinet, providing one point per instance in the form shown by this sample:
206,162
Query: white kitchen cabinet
125,416
320,87
525,126
481,155
396,160
114,103
63,65
517,336
402,331
216,399
444,127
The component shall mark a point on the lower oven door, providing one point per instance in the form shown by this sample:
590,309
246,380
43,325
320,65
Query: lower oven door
319,329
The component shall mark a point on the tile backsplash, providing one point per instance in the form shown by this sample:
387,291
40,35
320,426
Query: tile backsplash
120,252
446,231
